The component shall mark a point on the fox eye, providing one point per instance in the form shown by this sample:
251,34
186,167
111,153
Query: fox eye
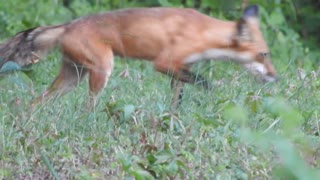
264,54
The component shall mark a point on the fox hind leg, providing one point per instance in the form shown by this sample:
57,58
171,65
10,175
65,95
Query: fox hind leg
69,77
99,76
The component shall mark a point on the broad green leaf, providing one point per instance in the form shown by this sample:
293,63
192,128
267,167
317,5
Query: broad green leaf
9,66
236,113
128,110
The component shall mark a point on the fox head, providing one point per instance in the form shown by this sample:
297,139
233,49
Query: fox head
249,43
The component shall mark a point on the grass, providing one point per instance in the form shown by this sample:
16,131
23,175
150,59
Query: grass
238,130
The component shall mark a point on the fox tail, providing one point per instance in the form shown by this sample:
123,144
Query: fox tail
29,46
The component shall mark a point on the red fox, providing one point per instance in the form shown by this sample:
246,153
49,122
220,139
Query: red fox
172,38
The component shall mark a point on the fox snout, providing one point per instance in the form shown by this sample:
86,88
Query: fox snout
269,78
263,71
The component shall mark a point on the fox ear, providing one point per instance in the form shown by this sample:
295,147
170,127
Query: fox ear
250,16
251,11
243,32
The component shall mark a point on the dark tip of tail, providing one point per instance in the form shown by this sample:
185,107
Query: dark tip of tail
26,32
18,49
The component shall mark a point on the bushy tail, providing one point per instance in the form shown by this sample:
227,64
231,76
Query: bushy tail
27,47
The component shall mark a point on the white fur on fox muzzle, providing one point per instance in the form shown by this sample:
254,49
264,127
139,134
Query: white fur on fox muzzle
268,78
260,71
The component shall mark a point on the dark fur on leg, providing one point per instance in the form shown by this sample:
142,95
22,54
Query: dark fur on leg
190,77
177,87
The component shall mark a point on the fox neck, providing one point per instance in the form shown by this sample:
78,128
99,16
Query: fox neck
221,45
